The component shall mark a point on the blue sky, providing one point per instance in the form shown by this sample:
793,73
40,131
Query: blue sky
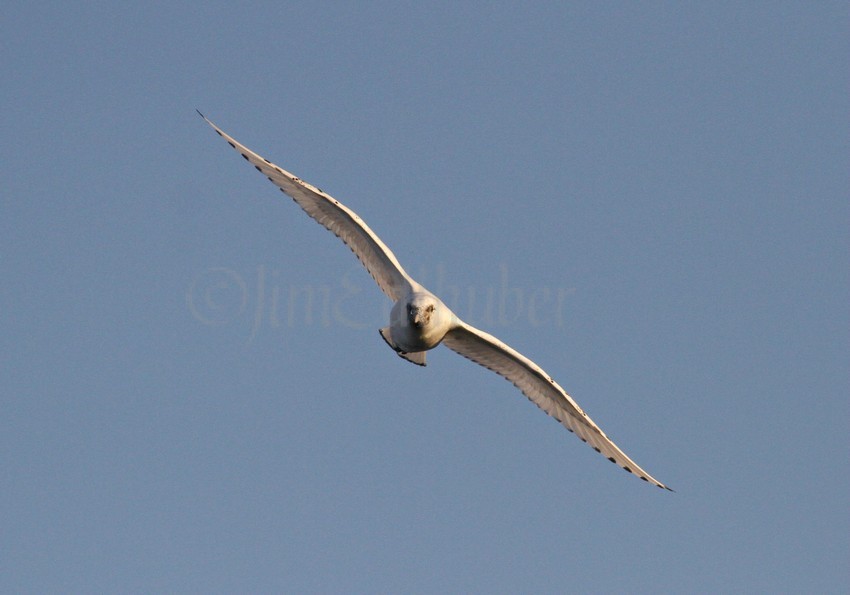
650,200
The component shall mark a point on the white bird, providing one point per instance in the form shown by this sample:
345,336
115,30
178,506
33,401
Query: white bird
419,321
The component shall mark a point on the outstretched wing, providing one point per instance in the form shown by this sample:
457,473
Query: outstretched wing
486,350
342,221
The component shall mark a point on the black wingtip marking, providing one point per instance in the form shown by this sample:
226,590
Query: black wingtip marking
244,156
217,131
627,469
612,459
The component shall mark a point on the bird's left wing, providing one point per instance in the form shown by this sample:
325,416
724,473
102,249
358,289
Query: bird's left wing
336,217
486,350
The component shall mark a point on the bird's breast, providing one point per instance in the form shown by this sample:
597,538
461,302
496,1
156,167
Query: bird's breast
412,338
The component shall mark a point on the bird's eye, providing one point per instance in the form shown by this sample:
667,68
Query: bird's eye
431,308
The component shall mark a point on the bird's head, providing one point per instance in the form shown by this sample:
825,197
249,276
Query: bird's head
419,312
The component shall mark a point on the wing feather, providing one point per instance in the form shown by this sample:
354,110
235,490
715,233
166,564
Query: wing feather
486,350
336,217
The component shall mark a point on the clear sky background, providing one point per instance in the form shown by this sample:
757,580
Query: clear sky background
648,199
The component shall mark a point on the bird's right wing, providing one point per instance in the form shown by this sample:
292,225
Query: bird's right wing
336,217
486,350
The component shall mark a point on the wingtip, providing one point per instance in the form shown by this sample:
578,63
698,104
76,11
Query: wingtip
207,120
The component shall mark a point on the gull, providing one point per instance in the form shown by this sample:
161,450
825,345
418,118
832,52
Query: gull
419,321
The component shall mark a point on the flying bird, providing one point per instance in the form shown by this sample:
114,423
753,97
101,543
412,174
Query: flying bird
419,321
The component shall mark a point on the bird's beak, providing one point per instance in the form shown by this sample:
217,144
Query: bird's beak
416,318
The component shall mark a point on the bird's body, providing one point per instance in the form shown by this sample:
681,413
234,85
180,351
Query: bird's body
420,321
